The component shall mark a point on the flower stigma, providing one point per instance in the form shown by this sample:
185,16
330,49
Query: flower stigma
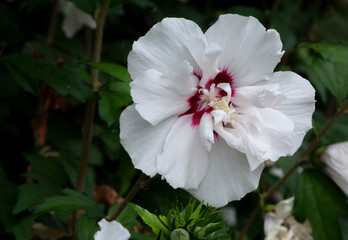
214,98
218,99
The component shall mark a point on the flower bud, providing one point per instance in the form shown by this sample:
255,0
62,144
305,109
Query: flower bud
179,234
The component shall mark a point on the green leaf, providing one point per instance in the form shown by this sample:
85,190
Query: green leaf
117,92
333,52
50,177
335,133
27,71
22,229
26,198
29,84
88,6
86,228
151,220
110,105
319,200
327,68
117,71
343,221
127,217
139,236
47,171
7,201
71,166
333,77
72,200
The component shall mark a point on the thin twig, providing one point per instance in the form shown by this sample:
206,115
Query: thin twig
53,22
310,148
86,145
90,108
138,185
90,112
98,42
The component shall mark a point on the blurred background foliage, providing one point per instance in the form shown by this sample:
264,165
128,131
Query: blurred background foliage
44,87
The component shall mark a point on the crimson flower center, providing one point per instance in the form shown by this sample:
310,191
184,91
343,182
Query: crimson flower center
215,95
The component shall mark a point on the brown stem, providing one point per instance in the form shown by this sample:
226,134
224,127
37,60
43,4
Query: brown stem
53,23
90,112
86,145
138,185
90,108
310,148
98,42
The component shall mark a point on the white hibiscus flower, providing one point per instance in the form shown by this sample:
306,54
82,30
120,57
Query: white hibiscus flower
208,109
336,160
281,225
75,19
111,231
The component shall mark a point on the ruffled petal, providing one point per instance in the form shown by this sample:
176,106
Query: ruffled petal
205,54
265,134
111,230
229,177
206,131
142,141
249,51
158,96
163,47
184,161
298,105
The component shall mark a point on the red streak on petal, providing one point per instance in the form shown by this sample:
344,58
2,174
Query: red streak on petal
222,77
216,135
194,101
197,75
196,118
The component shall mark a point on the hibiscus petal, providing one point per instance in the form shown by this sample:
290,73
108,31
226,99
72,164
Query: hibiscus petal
111,230
158,96
299,104
229,177
184,161
206,131
142,141
248,51
205,54
163,47
265,134
75,19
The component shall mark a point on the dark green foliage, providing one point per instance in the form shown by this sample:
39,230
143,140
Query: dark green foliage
71,200
127,217
27,71
326,65
194,221
320,201
116,92
88,6
87,228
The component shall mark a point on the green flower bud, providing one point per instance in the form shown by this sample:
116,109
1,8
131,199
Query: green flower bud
179,234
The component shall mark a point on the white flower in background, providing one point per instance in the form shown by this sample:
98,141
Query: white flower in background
75,19
208,109
229,215
111,231
336,159
281,225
